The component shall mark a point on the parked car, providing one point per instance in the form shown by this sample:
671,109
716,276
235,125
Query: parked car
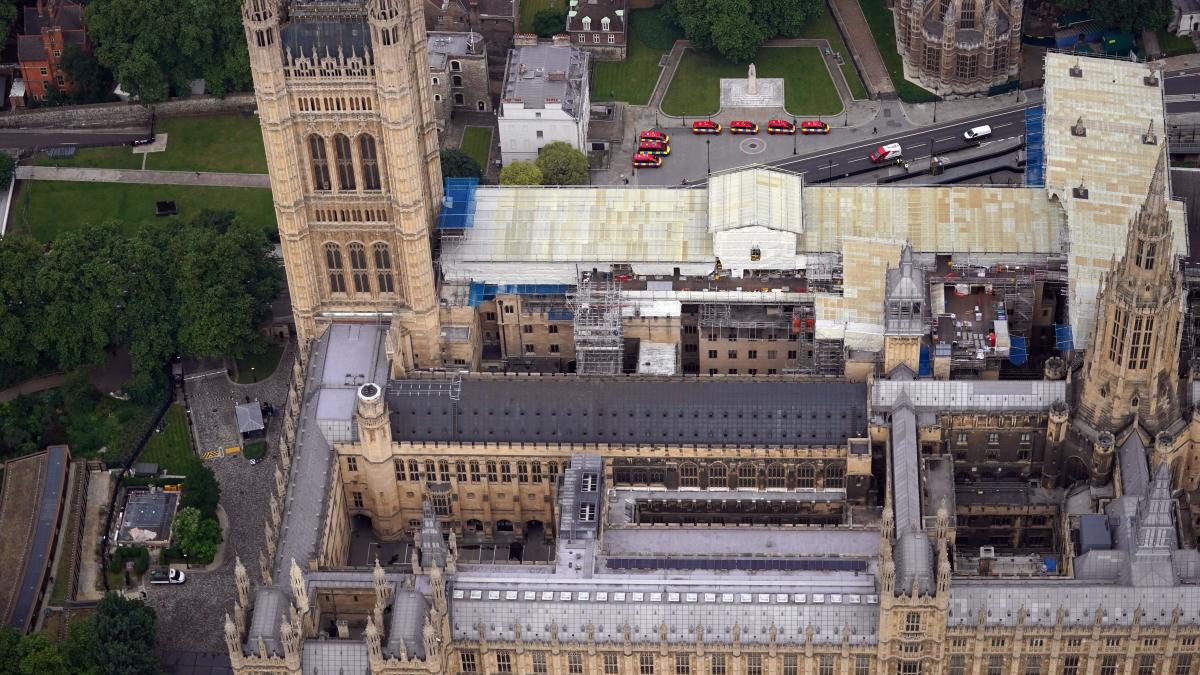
977,133
705,127
780,127
814,127
743,127
142,141
654,135
169,576
648,161
654,148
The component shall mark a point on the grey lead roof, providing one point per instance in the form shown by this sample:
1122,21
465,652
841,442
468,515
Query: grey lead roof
738,541
540,72
906,469
1135,473
586,410
326,38
969,395
48,500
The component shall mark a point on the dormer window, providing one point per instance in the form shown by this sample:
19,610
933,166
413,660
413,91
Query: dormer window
587,23
590,480
604,24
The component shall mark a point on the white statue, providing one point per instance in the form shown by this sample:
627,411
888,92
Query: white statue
752,87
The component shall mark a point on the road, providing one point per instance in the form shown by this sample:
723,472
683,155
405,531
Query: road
41,139
691,155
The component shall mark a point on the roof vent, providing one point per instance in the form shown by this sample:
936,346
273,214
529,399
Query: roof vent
1079,192
1149,138
1076,71
1078,129
1150,80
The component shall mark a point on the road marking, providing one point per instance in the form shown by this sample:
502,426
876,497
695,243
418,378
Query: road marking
942,140
860,159
211,454
1001,126
917,145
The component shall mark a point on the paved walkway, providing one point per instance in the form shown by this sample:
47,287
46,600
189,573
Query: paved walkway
200,178
32,386
861,43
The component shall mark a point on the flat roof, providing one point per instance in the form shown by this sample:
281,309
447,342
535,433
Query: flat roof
148,516
29,520
630,411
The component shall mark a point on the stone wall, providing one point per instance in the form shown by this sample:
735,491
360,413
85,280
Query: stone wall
123,114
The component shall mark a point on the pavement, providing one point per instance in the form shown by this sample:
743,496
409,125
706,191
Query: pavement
99,491
201,178
863,49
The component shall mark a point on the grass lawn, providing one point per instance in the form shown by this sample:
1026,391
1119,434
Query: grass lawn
1173,45
823,27
632,80
62,574
255,450
477,142
530,8
884,28
171,448
808,90
229,143
259,366
48,207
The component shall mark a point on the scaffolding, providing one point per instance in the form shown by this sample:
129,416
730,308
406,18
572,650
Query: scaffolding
599,346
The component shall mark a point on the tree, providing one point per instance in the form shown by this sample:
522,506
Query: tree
226,278
521,173
32,654
8,16
458,164
202,492
20,313
196,537
93,82
1133,15
562,164
549,22
155,46
120,638
737,28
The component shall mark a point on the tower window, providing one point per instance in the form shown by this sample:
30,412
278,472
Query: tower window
345,162
358,268
370,162
333,263
320,162
383,268
912,623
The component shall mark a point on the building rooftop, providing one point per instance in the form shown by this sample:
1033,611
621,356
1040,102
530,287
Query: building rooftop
326,37
613,10
67,16
544,74
147,516
443,45
588,410
29,514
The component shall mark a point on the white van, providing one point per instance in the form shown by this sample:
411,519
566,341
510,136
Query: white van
977,133
886,152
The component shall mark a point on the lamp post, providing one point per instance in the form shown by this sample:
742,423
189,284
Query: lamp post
708,154
935,109
795,132
829,169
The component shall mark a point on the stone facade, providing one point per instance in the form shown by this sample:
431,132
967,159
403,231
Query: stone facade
458,71
351,143
959,47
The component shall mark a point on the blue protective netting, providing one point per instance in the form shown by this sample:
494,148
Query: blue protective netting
1017,353
481,292
1035,149
458,204
925,369
1064,339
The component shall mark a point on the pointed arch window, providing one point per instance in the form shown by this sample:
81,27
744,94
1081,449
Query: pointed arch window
345,162
835,477
689,475
805,477
320,162
776,475
358,268
370,161
333,264
718,475
747,476
383,268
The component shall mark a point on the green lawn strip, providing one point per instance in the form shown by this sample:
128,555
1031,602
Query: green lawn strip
477,142
46,208
808,89
632,80
229,143
62,575
255,367
112,157
255,450
1173,45
530,8
171,448
824,27
883,27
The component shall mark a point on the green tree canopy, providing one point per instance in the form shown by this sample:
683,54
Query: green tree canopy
20,308
93,82
562,165
196,537
154,46
202,492
121,638
8,16
458,164
1133,15
521,173
550,22
737,28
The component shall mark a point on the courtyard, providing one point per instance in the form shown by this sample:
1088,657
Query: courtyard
808,88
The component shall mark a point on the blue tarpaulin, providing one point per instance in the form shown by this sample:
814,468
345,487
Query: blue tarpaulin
1035,153
458,204
926,367
1064,340
481,292
1017,353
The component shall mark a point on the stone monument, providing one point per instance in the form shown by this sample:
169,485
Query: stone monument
752,92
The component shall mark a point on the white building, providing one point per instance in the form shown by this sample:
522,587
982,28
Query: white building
545,99
1185,19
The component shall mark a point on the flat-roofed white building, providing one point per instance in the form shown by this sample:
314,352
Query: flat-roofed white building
545,99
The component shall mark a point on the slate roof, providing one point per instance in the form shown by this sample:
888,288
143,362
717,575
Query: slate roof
326,37
249,417
597,9
67,16
582,410
30,48
48,497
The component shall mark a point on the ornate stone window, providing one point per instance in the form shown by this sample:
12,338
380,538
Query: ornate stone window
689,475
776,475
358,268
835,477
383,268
805,477
333,263
320,162
345,162
718,475
370,162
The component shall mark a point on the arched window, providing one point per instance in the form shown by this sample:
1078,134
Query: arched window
805,477
358,268
383,268
747,476
689,475
444,471
718,475
320,162
333,262
370,162
456,80
776,475
345,162
522,472
455,66
459,99
835,477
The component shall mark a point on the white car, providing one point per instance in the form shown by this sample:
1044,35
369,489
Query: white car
171,576
977,133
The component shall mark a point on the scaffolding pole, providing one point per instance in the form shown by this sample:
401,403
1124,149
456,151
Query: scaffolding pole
599,345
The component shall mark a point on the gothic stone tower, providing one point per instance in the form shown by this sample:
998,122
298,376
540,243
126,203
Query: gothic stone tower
1131,367
343,98
959,47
